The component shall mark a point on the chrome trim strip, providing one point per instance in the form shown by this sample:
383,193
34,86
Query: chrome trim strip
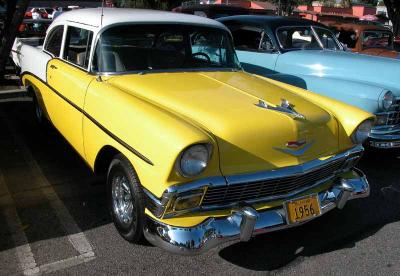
246,222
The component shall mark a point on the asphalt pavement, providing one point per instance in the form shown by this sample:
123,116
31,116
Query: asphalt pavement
54,219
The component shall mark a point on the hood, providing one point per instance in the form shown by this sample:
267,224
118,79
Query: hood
249,138
379,71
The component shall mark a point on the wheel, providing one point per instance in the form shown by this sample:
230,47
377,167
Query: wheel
126,199
38,112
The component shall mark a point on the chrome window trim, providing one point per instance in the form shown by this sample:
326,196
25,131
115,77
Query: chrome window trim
219,181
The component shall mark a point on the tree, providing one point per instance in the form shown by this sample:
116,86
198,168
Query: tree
393,9
15,14
285,7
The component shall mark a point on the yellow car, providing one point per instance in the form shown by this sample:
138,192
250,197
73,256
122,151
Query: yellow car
196,151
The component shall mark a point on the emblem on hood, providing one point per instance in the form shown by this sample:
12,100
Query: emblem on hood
296,144
296,148
285,107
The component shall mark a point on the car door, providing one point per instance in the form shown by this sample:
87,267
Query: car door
255,50
69,77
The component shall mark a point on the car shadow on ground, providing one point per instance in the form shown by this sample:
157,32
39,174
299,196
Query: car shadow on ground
82,194
336,230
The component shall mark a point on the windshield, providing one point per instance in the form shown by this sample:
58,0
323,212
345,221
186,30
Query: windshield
377,39
167,47
306,38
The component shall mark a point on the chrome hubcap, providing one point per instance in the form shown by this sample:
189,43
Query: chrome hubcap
122,199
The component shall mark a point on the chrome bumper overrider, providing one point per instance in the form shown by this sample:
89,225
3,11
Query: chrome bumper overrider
246,222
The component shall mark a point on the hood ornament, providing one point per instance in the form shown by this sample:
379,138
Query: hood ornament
285,107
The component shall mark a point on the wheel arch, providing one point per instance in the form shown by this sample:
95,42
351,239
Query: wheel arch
104,158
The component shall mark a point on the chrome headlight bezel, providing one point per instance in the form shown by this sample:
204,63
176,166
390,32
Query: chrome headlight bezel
362,132
188,159
387,100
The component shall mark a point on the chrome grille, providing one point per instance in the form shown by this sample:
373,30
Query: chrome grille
393,115
223,195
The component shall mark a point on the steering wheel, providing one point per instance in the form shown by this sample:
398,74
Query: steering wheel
203,55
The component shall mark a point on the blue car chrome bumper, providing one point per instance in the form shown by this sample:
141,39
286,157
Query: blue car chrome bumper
386,137
246,222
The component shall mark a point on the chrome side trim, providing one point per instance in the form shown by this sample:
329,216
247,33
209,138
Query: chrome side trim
246,222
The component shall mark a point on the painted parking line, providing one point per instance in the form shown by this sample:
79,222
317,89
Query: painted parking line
75,235
23,252
17,99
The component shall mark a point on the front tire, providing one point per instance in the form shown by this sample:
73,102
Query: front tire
126,200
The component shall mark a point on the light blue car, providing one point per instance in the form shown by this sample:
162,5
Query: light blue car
306,54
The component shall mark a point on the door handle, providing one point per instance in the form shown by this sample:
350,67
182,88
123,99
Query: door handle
53,66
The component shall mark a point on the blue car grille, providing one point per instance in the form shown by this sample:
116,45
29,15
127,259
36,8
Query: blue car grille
393,115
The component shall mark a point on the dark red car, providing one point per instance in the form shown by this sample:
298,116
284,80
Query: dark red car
365,38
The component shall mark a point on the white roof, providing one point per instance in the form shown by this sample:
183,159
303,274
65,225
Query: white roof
118,15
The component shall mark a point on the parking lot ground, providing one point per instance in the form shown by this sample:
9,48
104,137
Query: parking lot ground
54,219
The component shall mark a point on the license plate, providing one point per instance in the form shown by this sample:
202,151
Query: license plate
302,209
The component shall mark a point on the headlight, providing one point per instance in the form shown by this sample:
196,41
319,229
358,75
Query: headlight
194,160
362,132
387,100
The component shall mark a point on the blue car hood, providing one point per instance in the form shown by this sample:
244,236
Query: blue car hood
379,71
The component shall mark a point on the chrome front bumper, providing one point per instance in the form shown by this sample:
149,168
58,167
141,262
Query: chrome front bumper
246,222
384,137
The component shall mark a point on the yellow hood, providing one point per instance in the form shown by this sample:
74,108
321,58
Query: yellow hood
250,138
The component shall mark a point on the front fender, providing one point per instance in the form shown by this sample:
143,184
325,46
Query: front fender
359,94
138,129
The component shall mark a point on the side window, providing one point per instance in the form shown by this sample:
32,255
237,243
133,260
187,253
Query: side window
297,38
247,40
349,38
266,43
77,46
54,40
327,38
209,47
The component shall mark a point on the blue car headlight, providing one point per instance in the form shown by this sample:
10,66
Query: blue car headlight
387,100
